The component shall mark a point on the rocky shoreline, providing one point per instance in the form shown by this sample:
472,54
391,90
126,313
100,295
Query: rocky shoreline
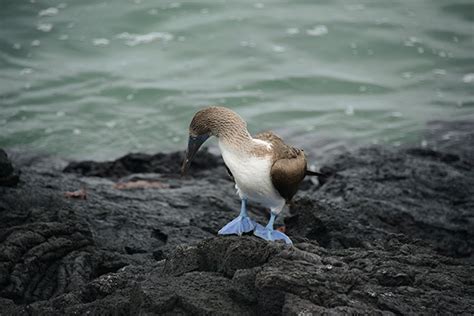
390,231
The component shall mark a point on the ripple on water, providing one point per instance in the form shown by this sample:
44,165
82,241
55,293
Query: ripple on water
463,10
342,71
320,85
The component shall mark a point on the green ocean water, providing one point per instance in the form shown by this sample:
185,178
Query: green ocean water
97,79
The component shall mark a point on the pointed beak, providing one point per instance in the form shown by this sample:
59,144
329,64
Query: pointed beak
194,143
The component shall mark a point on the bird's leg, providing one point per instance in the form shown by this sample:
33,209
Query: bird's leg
268,233
241,224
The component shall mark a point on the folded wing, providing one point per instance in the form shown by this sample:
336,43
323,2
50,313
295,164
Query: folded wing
289,167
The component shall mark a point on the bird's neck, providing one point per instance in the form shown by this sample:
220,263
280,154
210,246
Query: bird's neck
235,138
243,143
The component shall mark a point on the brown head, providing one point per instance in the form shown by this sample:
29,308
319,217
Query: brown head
215,121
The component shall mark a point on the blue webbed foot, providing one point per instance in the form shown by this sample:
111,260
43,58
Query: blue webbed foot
239,225
270,234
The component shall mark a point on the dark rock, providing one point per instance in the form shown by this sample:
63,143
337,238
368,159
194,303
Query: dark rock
169,164
8,176
290,281
376,192
387,232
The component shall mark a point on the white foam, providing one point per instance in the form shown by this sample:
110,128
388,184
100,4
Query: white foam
44,27
278,49
111,124
49,12
100,42
174,5
137,39
318,30
349,110
468,78
26,71
292,30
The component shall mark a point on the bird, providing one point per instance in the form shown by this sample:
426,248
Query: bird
265,169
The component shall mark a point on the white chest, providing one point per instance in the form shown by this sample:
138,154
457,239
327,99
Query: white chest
252,176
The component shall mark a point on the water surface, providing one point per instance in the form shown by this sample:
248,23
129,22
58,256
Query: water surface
96,79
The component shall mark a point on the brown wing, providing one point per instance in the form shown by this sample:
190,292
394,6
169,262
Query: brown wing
289,168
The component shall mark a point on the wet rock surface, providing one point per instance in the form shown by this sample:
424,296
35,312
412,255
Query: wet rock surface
9,177
390,232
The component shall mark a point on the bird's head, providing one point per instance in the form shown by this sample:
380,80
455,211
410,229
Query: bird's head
212,121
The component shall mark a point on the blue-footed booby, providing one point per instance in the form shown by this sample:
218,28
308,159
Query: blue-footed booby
264,168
